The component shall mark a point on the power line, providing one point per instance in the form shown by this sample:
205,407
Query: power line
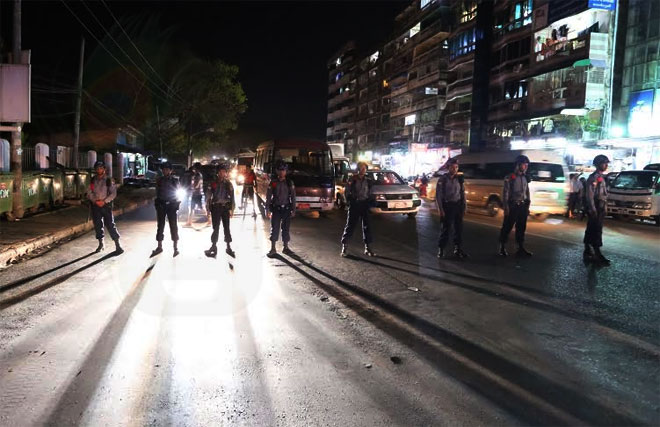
98,21
110,53
139,52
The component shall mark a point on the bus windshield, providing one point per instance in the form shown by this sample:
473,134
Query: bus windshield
306,162
635,180
244,161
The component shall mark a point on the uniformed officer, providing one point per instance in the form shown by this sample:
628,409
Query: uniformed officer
222,204
359,198
167,205
280,208
450,199
102,191
596,204
516,201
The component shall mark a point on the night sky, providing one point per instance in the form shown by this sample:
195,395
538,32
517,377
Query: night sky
281,48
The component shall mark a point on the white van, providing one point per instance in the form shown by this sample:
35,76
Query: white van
635,194
484,178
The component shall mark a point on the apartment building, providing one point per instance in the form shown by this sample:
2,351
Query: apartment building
342,96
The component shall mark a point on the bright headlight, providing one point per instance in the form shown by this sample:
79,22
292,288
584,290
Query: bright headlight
233,173
415,196
241,179
180,194
380,197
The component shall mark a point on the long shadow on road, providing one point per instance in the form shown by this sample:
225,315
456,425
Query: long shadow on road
637,331
75,399
526,394
28,279
8,302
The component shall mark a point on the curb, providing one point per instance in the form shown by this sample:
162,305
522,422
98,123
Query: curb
24,248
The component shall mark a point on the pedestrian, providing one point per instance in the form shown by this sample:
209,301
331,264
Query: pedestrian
450,200
360,199
221,205
583,198
516,201
102,191
196,192
573,195
167,206
248,191
280,208
596,199
424,182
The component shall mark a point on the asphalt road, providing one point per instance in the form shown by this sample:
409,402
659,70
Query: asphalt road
315,339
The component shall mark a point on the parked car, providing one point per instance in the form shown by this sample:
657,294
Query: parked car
635,194
652,167
392,194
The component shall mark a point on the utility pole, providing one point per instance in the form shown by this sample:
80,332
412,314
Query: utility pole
160,139
76,126
16,149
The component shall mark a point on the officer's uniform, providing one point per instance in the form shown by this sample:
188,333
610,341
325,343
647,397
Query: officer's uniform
281,203
103,188
450,199
596,200
222,203
358,196
515,195
167,205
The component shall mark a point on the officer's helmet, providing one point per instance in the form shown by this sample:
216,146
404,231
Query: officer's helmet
166,165
281,166
99,164
522,159
600,159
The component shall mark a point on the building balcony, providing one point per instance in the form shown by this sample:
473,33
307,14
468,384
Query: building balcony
458,120
508,109
561,54
460,60
459,88
430,78
551,100
340,113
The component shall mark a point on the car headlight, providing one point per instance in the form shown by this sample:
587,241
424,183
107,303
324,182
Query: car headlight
415,196
380,197
241,179
180,194
641,206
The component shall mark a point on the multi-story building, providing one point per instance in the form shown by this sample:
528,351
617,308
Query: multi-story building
341,97
634,132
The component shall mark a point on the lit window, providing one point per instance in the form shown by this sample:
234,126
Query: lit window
431,91
410,120
414,30
424,3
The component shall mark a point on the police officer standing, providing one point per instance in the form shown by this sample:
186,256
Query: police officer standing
167,205
222,204
450,199
280,208
596,203
516,201
102,191
359,198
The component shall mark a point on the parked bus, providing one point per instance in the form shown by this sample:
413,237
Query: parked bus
484,177
310,169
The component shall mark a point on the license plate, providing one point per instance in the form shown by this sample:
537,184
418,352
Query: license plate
398,205
302,205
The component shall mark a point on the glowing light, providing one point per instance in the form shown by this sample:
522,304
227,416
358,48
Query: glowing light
616,131
180,194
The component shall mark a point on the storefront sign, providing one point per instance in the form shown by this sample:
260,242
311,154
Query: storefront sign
641,114
602,4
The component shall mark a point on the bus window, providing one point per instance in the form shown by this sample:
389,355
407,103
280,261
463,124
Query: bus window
305,161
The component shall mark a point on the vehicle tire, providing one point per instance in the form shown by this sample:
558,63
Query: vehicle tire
540,217
412,215
493,207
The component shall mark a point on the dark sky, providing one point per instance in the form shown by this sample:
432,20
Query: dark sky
281,48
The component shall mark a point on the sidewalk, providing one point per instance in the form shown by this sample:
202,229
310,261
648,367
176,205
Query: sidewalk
27,235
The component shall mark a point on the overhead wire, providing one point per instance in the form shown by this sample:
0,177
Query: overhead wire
121,64
100,24
139,52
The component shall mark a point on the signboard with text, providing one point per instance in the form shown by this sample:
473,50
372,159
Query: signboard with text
602,4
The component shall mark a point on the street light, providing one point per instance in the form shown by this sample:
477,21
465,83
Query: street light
190,137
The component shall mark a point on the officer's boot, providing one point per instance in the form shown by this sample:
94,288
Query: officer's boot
587,255
441,252
368,251
176,248
100,247
522,251
503,251
229,251
212,251
118,249
344,250
459,253
600,257
158,249
273,251
287,250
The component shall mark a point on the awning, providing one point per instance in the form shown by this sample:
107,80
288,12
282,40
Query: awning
600,63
